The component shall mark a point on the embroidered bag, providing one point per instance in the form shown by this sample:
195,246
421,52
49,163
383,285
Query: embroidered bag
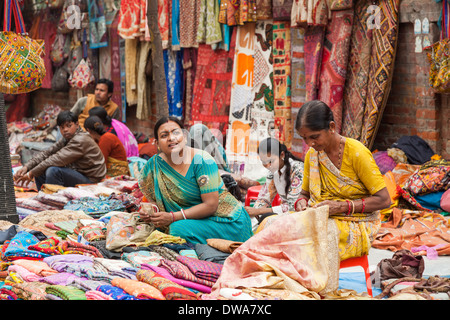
82,76
438,57
22,68
60,49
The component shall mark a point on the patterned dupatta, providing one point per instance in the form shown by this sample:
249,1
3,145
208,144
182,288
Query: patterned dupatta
326,182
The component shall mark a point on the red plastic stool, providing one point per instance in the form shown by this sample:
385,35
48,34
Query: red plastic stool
253,192
359,262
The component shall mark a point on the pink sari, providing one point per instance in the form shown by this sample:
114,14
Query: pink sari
126,137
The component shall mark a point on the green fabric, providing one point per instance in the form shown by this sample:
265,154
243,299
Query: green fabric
66,292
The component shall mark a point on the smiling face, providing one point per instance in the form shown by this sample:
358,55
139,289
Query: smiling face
171,138
68,129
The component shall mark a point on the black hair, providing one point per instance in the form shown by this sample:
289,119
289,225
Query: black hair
102,114
66,116
108,82
314,115
275,147
95,124
163,120
232,186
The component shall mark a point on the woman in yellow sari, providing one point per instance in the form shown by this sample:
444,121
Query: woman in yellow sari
340,173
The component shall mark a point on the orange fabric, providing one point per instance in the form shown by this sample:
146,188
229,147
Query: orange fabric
150,148
403,171
138,289
112,147
407,229
391,185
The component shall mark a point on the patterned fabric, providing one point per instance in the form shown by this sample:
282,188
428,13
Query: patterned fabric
298,86
30,290
310,12
115,292
341,4
171,191
139,258
48,246
369,75
17,50
308,265
282,82
212,86
66,292
139,289
95,207
203,269
174,81
169,289
72,247
181,271
281,9
132,21
313,47
334,63
264,9
437,55
17,248
189,23
208,29
234,12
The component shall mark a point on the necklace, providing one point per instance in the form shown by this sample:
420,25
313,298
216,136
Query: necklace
340,153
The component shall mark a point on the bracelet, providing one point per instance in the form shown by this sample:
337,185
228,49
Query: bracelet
349,209
353,207
295,203
363,205
173,216
184,215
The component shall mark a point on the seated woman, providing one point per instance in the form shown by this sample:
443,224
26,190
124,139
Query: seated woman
340,173
185,185
110,145
119,129
285,179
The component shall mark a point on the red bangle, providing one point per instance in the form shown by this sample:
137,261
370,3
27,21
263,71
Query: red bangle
363,205
349,208
173,216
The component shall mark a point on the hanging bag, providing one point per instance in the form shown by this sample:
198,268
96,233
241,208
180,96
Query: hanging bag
22,68
82,76
438,56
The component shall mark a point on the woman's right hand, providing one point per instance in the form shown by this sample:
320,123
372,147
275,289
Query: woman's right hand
301,204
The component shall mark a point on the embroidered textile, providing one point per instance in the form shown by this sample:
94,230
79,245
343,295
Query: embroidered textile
139,289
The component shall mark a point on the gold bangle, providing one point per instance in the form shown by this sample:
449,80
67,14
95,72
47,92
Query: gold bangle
353,207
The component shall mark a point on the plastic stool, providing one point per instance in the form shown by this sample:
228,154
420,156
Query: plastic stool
253,192
359,262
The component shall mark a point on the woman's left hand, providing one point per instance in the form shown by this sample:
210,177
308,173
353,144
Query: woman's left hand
161,219
334,206
253,212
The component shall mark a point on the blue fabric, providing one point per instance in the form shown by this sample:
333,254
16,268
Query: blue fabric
356,281
115,292
17,247
174,81
431,200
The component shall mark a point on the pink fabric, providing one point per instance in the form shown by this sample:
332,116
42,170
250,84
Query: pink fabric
24,273
166,274
97,295
445,201
126,137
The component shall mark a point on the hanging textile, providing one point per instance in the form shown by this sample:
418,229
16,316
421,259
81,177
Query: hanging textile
264,9
175,24
298,86
281,9
314,38
174,81
282,82
310,12
98,36
115,66
163,22
242,94
143,82
334,62
372,56
262,117
189,67
132,21
131,49
208,29
189,23
234,12
212,86
159,79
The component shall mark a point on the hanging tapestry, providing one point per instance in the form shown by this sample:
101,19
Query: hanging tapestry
209,30
262,117
189,67
298,86
98,36
163,22
314,38
310,13
234,12
241,93
334,62
281,9
384,44
132,18
115,62
264,9
282,82
372,56
212,86
174,81
188,23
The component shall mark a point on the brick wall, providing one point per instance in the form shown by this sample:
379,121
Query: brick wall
413,108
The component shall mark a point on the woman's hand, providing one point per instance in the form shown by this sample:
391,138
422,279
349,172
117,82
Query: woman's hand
161,219
301,204
253,212
334,206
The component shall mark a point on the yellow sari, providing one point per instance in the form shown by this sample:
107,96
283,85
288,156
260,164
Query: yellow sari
358,177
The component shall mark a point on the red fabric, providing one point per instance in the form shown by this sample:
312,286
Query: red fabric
112,147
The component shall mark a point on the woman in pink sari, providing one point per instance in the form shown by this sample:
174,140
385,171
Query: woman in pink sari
119,129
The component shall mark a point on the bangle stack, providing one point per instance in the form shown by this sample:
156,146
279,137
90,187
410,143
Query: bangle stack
363,205
184,214
351,207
